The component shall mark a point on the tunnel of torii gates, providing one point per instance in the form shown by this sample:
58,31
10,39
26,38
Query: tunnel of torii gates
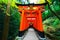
31,15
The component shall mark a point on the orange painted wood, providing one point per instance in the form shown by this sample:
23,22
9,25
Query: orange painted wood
31,16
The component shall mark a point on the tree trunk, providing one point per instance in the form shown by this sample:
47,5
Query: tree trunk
6,22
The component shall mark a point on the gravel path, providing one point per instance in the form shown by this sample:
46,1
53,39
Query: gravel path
31,35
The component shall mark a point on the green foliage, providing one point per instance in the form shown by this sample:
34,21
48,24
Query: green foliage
47,14
56,34
4,1
14,21
55,6
54,26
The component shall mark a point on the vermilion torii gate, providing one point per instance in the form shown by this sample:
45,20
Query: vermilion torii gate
31,17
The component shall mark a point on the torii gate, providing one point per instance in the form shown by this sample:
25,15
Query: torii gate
31,15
